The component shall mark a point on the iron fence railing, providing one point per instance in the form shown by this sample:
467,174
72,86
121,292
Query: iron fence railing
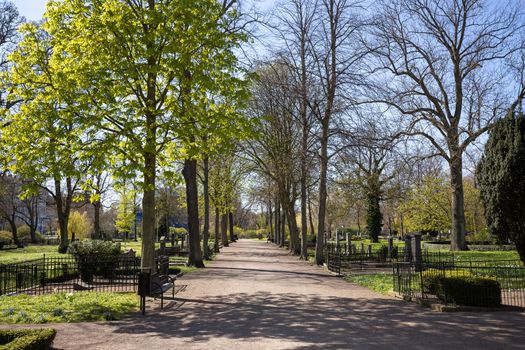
51,274
473,283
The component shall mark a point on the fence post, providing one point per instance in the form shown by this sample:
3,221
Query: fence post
369,251
347,250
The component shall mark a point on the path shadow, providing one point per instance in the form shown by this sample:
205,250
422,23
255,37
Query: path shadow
328,323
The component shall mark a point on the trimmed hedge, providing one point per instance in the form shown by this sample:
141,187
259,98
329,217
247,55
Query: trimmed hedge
27,339
462,288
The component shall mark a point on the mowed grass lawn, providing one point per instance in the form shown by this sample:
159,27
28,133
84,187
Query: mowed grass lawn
379,282
66,307
8,256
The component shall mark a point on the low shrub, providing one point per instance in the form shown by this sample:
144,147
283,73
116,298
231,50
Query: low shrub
250,233
94,248
27,339
5,237
462,287
382,253
24,234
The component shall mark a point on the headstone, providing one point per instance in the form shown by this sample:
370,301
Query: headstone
416,251
390,247
408,248
162,250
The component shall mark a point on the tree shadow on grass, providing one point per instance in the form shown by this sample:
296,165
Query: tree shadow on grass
328,323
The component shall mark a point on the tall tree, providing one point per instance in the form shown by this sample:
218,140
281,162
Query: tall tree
502,182
439,59
137,73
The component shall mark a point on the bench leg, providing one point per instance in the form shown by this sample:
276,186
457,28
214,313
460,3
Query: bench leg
143,305
162,300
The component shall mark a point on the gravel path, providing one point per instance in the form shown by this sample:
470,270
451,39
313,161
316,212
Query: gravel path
255,296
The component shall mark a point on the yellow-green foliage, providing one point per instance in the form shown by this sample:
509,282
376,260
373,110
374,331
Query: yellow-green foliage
66,307
5,237
178,230
250,233
80,224
24,234
428,206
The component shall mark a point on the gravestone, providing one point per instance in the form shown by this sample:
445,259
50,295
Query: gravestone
390,247
416,251
408,248
162,250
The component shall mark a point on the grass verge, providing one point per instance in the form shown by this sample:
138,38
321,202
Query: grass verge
378,282
66,307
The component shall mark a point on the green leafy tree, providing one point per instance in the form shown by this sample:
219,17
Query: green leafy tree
139,75
80,225
126,211
427,207
45,141
502,181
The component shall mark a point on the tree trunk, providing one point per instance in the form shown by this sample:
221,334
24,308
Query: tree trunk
14,232
217,227
224,229
232,226
304,222
192,202
457,237
270,215
206,193
277,222
319,247
312,229
63,217
283,228
96,222
148,214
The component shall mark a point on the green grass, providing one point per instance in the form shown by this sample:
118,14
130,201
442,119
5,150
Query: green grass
379,282
66,307
8,256
482,255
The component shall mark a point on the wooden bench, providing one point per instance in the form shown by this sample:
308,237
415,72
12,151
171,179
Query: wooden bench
156,284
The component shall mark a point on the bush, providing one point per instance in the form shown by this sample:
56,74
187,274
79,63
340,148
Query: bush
5,237
27,339
250,233
94,248
24,234
462,287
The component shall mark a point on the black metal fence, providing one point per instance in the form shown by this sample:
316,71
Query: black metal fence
473,283
346,257
343,258
67,274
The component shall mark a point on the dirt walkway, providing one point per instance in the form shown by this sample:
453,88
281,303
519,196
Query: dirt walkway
255,296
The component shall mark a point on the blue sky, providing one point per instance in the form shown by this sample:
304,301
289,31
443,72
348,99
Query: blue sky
31,9
34,9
